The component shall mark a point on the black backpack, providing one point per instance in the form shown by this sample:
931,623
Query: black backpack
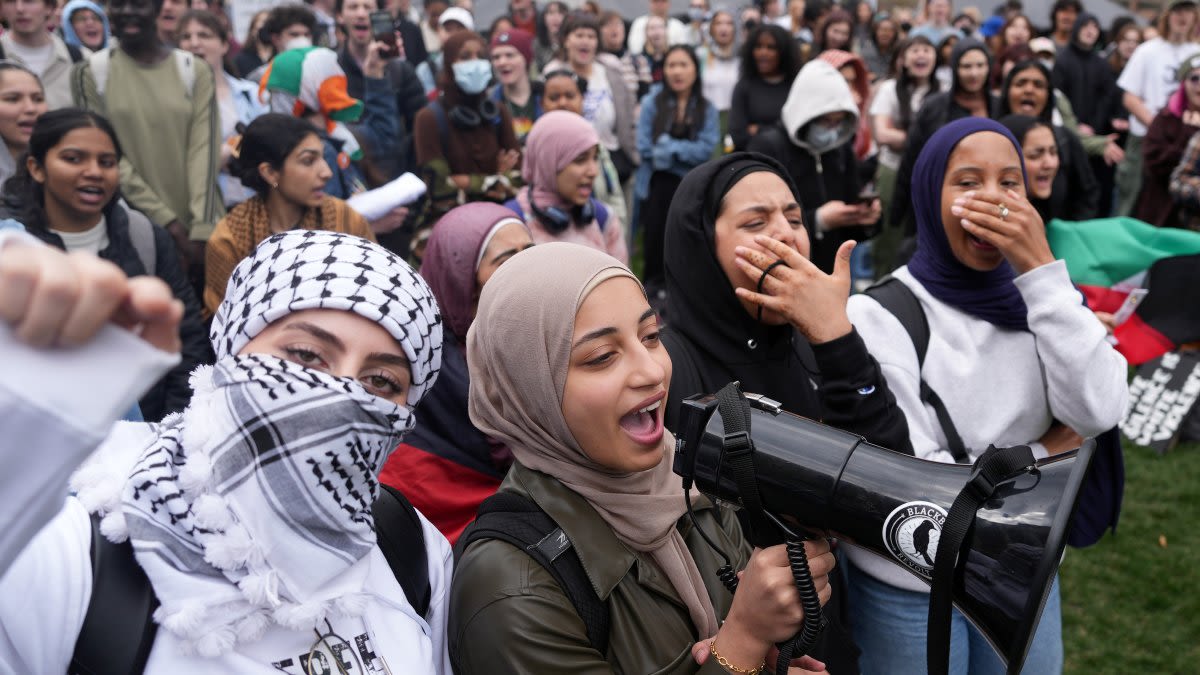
1100,496
519,521
118,629
900,301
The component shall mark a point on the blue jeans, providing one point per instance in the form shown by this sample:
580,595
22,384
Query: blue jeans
889,625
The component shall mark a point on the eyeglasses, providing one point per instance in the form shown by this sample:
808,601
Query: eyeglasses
329,648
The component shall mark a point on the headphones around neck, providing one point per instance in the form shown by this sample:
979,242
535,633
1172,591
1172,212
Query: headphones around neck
556,219
466,118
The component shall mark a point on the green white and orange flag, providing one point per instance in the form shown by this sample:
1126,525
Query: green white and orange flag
1109,258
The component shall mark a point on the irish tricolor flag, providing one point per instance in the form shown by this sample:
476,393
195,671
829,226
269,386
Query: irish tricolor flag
1110,257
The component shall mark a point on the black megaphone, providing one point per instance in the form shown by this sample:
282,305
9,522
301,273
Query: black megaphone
835,484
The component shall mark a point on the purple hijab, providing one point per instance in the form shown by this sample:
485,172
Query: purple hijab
451,259
992,295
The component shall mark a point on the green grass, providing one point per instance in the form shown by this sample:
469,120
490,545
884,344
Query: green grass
1130,603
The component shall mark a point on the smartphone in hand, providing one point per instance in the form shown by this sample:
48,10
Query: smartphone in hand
383,29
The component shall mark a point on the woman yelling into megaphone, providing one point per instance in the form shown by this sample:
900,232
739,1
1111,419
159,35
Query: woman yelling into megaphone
1011,348
568,370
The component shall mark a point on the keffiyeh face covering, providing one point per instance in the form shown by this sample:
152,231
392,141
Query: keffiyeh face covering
253,507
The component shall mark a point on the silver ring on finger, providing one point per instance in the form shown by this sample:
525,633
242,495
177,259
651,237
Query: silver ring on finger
1003,212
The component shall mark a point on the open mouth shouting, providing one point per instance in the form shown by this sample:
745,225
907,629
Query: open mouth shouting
644,424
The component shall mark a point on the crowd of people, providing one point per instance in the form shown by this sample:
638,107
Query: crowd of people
618,212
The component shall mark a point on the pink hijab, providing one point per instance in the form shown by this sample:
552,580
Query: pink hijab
518,352
451,260
555,140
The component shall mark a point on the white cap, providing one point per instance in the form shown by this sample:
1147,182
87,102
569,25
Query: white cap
457,14
1042,45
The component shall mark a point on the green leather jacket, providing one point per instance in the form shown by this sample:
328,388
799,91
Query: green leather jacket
508,615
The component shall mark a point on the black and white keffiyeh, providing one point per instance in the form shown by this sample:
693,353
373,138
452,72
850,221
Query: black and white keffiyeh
252,508
311,269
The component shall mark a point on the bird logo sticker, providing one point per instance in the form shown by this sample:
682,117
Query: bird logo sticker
911,534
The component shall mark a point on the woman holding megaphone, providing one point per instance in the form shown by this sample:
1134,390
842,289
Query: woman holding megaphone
746,304
1009,348
568,370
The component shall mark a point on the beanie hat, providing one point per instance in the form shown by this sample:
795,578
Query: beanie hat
520,40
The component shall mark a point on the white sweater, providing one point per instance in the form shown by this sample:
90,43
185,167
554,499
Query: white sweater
57,408
1000,387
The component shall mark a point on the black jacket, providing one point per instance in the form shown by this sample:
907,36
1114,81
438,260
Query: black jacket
830,176
1075,193
713,340
172,393
410,98
1087,81
414,41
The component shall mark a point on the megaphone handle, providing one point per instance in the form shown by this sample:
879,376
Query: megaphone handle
814,618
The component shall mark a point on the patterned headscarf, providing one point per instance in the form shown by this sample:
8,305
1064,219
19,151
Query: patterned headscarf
252,508
312,269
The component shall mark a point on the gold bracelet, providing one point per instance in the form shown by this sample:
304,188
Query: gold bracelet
712,647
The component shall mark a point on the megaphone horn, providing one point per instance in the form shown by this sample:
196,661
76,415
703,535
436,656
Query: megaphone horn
836,484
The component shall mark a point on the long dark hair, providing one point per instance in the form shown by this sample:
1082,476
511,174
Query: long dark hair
789,53
543,33
269,138
26,197
836,15
905,82
667,100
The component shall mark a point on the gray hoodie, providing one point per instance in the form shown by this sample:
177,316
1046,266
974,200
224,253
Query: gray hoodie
817,90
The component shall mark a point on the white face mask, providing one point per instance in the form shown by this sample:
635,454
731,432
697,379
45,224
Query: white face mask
298,42
821,137
472,76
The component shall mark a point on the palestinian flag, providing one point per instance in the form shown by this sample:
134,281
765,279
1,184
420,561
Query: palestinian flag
1110,257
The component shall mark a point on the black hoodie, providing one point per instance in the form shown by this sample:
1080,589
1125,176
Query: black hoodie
1075,193
936,111
713,340
1087,80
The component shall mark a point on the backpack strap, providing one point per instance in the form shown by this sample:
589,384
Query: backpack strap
519,521
601,213
899,299
98,63
401,538
118,629
185,64
443,125
141,233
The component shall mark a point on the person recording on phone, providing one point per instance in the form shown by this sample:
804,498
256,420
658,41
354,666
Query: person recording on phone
814,141
364,22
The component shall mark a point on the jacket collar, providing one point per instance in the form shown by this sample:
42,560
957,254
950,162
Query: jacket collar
606,560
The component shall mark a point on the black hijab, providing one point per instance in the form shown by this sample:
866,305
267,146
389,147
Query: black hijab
711,337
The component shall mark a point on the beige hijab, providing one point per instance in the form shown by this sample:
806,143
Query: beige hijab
518,351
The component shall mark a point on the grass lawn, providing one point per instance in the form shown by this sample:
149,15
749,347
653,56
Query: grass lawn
1131,603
